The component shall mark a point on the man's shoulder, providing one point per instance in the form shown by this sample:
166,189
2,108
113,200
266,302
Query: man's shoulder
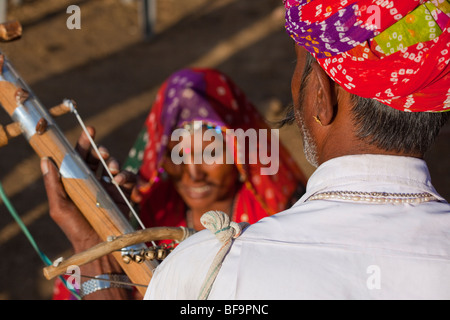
201,238
181,274
343,222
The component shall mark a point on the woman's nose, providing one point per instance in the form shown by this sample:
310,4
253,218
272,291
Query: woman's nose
195,171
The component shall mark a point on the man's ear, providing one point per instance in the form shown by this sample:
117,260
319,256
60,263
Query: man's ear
326,101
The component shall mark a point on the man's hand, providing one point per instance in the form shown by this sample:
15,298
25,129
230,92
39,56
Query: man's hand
72,222
124,179
64,212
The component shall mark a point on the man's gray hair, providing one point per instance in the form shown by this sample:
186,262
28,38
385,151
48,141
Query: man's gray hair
384,126
395,130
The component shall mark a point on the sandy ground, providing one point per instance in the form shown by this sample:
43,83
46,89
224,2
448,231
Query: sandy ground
112,73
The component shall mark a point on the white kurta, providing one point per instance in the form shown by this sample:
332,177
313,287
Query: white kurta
326,249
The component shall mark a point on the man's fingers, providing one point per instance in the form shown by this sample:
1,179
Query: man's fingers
60,205
52,182
87,152
113,165
126,179
83,146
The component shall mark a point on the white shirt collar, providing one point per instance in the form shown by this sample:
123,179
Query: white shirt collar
371,173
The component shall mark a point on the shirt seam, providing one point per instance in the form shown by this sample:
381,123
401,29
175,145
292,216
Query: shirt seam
351,179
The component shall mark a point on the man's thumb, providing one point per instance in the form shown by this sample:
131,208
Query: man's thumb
51,178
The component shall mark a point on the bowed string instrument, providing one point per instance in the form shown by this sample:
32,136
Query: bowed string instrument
128,246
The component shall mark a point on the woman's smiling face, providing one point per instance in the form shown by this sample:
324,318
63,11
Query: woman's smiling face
201,185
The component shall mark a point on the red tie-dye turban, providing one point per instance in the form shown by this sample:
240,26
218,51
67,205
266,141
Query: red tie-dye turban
394,51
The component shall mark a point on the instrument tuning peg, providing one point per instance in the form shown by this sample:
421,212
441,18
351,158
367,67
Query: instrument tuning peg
10,131
10,30
41,126
22,95
66,107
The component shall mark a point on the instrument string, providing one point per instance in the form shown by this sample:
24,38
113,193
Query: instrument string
129,284
70,104
28,235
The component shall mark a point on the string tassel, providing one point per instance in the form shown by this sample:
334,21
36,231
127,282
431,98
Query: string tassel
226,231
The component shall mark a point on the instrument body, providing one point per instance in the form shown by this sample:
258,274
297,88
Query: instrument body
80,183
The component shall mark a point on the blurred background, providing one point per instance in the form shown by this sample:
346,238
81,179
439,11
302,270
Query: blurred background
112,67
